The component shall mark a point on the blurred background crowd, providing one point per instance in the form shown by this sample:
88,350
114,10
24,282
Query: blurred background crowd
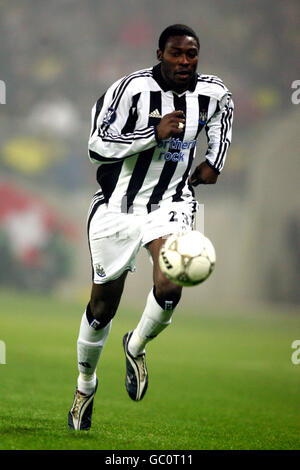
57,57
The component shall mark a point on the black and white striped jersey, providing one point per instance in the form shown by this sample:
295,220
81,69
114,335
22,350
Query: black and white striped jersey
138,173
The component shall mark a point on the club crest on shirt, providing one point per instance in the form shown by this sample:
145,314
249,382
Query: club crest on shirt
110,116
203,116
100,270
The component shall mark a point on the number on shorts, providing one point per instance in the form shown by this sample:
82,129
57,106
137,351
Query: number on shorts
185,218
173,216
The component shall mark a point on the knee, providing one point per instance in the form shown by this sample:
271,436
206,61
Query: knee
166,290
103,310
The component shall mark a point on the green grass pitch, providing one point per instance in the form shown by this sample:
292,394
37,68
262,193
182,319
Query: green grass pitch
216,381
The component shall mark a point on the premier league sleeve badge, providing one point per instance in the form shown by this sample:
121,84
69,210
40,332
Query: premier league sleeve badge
110,116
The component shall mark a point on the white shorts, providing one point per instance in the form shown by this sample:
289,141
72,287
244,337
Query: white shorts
115,238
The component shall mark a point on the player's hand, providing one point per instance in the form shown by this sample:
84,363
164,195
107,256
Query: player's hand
171,124
203,174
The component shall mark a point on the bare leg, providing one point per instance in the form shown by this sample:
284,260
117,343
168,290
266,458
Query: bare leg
164,289
105,299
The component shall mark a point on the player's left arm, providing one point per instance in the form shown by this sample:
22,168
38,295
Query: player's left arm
219,132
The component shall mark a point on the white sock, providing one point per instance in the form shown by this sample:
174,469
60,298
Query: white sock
153,321
86,383
90,344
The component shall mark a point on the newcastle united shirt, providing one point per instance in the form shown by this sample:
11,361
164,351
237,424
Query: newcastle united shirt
137,172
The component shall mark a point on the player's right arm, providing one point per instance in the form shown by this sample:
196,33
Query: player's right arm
116,133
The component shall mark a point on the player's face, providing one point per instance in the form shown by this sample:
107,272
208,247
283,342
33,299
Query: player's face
179,61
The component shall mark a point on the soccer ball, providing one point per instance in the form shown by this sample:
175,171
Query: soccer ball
188,258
